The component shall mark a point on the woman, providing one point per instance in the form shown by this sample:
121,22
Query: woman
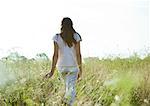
67,56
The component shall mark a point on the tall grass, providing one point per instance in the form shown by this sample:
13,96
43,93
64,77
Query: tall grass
105,82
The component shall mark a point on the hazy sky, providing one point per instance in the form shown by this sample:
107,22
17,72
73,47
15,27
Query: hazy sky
106,26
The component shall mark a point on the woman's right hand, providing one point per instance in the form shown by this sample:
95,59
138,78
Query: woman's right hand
79,75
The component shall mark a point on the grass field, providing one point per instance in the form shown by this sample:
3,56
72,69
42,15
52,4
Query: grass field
105,82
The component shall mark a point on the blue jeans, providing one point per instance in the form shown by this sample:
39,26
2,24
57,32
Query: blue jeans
69,75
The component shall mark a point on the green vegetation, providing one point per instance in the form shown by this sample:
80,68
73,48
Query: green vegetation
105,82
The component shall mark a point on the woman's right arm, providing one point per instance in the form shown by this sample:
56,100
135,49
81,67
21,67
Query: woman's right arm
79,58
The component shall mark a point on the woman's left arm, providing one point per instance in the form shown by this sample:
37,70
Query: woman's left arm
54,60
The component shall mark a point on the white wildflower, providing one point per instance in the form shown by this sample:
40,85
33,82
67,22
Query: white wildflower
117,98
146,101
23,80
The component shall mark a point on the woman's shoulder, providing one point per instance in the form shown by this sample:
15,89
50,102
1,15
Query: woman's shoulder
56,37
77,37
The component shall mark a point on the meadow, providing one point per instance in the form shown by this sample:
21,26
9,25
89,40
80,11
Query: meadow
105,82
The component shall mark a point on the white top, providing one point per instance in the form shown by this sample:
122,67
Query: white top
66,55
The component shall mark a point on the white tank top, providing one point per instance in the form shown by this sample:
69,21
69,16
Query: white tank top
66,55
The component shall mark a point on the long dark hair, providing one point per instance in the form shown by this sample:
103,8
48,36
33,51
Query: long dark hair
67,31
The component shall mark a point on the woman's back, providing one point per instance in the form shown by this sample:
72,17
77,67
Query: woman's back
66,54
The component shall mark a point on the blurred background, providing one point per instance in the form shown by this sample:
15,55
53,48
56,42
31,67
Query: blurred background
107,27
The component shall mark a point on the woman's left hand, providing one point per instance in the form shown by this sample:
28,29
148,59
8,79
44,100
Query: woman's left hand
49,75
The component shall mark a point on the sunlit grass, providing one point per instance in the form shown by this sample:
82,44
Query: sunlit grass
106,82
